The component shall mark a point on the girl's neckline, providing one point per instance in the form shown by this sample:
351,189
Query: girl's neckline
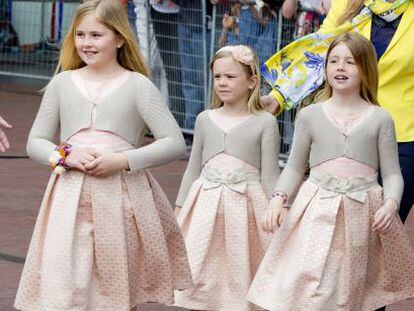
79,74
243,120
124,76
351,118
370,111
223,115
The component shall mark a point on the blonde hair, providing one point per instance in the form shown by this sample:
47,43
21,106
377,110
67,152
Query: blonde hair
366,62
113,16
353,7
254,103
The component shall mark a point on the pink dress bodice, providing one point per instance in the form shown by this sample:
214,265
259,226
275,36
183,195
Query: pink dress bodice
343,167
103,141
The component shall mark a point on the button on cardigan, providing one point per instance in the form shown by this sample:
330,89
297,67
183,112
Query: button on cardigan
128,111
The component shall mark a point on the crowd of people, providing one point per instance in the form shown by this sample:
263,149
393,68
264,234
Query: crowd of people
179,51
325,234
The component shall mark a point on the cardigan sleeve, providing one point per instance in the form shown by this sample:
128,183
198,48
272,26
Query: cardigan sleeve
169,142
42,137
269,167
193,170
292,175
390,170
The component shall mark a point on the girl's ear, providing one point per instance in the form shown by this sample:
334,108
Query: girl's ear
120,42
252,82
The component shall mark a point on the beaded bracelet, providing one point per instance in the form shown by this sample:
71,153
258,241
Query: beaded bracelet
280,194
58,157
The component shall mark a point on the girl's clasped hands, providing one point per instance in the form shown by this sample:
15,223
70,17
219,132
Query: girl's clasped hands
96,163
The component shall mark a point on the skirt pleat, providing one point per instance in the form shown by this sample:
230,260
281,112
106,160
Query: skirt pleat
225,245
103,244
326,256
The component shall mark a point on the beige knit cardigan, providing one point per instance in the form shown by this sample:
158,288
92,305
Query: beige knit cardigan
256,141
316,139
128,111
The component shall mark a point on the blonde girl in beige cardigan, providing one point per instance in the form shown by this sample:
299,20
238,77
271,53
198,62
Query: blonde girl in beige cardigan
106,237
341,246
232,169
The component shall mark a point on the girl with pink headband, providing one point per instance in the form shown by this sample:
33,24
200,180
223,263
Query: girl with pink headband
232,169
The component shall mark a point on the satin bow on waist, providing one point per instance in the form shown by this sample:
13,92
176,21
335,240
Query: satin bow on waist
354,188
236,180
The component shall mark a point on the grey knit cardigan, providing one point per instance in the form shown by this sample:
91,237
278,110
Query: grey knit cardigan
316,139
127,111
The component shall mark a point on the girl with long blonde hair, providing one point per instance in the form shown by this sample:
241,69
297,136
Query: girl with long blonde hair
341,245
105,237
296,71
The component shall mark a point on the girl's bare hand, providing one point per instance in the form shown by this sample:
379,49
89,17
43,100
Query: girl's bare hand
78,157
107,164
274,216
385,216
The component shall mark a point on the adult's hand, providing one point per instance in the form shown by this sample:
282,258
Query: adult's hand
4,142
270,103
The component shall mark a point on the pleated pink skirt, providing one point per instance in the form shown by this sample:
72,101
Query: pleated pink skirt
103,244
224,241
326,257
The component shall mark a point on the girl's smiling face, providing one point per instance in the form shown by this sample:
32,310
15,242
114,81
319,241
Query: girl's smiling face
342,71
96,44
231,82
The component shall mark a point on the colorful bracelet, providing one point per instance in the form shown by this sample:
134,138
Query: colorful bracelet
58,157
280,194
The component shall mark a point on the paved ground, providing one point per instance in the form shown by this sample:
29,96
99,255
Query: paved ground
22,184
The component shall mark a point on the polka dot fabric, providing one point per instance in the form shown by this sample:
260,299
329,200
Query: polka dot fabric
103,244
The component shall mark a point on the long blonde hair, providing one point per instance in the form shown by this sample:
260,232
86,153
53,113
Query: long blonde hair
113,16
254,103
366,61
353,7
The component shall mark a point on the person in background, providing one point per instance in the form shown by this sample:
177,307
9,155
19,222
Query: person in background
267,18
230,32
251,24
164,17
309,14
192,52
148,44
